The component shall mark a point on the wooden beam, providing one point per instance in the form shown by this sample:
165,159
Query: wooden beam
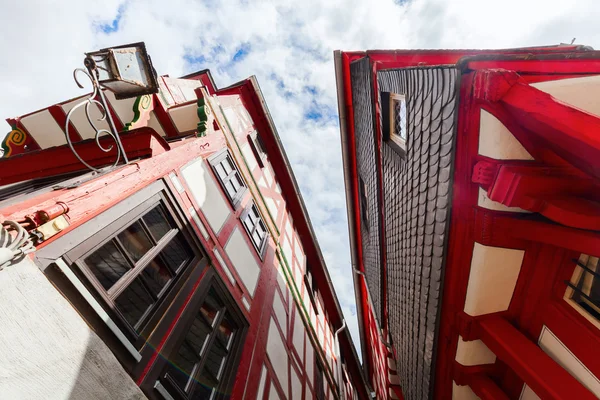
541,373
568,131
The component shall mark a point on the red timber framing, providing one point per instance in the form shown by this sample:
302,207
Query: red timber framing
256,106
562,185
154,159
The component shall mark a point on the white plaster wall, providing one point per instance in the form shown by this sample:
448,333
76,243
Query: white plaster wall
273,394
474,352
243,261
44,129
249,156
563,356
261,385
309,362
287,251
272,206
528,394
154,124
262,182
198,223
207,194
224,266
280,313
48,351
267,173
299,252
484,201
296,386
123,108
234,121
80,121
463,392
308,395
281,280
496,141
185,117
278,355
492,279
298,335
578,92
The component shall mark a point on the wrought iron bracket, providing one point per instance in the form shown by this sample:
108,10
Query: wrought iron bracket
98,99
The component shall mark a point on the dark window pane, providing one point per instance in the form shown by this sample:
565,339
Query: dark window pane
228,165
256,238
135,241
211,306
108,264
157,276
134,302
215,361
182,364
225,331
248,223
157,223
220,171
176,252
230,189
206,386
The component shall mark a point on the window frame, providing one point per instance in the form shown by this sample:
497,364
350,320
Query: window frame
217,159
389,129
158,371
258,148
101,229
152,316
573,289
311,288
363,203
260,248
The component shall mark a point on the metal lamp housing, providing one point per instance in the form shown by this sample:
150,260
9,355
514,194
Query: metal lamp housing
125,70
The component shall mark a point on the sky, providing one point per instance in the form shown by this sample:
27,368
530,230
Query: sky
289,46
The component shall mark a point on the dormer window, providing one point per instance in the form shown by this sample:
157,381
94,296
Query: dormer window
394,120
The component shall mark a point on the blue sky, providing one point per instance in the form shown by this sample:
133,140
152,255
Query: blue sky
289,46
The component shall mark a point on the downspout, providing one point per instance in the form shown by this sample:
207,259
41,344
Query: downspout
338,350
379,331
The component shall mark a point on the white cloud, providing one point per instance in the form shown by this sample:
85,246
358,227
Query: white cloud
290,50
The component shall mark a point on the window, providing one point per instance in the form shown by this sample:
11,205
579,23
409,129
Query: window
256,228
362,192
202,362
311,288
229,176
257,148
584,287
394,121
134,268
319,383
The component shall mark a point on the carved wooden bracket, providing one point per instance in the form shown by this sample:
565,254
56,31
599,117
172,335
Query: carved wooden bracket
561,194
142,107
205,115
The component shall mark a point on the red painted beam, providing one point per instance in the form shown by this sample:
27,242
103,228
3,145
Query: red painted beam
60,117
486,389
139,143
477,377
546,377
544,232
568,131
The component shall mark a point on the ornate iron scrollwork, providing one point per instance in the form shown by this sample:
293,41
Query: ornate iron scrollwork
96,98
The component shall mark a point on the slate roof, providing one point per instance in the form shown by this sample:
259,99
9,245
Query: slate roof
416,195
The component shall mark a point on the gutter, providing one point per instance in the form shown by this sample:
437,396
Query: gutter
339,77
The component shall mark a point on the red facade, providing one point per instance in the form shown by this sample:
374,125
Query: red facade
253,287
517,315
